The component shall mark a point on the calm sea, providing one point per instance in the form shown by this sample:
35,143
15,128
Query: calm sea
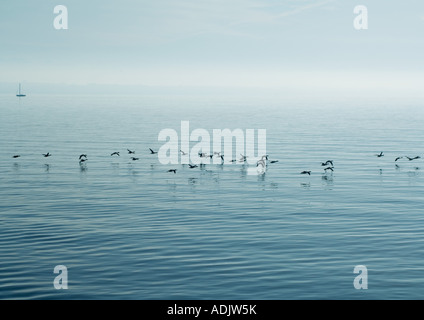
131,230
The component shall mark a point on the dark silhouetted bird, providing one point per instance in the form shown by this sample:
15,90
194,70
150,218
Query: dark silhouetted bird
115,154
130,152
173,170
152,152
306,172
412,159
47,155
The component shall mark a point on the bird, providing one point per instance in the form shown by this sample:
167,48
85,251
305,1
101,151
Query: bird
273,161
83,160
130,152
306,172
243,158
261,166
398,158
47,155
328,162
411,159
135,159
16,156
202,155
380,155
152,152
183,153
115,154
191,166
265,159
329,168
261,163
82,156
173,170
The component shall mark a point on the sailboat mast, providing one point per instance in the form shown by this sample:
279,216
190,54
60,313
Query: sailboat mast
20,93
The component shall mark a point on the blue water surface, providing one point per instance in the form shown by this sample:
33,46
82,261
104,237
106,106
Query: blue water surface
131,230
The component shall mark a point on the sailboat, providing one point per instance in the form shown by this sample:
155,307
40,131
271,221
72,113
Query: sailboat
20,95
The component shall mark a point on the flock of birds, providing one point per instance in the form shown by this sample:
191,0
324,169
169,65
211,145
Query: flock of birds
262,164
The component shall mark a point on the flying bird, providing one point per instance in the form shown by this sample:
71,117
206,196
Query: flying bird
261,163
398,158
152,152
243,158
261,166
183,153
380,155
329,168
328,162
274,161
192,166
264,159
130,152
83,160
173,170
47,155
306,172
412,159
135,159
16,157
82,156
115,154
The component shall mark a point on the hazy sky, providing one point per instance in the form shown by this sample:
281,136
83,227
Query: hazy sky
263,43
